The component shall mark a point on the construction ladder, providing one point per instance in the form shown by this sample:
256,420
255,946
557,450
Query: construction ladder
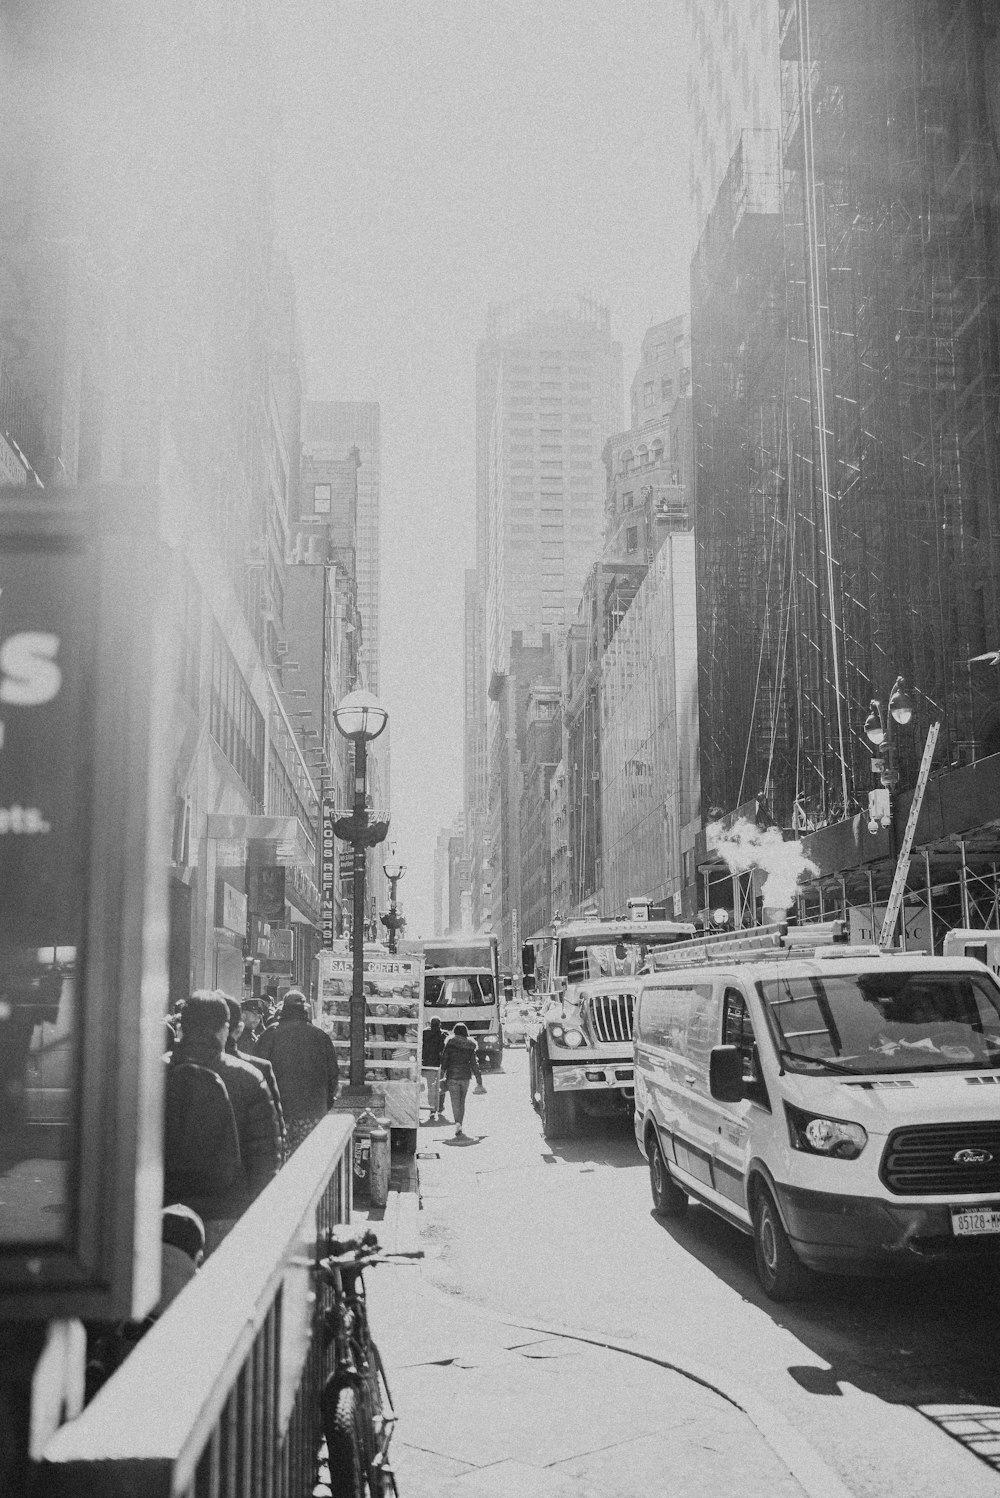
903,861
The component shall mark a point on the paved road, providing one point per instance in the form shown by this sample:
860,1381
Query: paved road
897,1387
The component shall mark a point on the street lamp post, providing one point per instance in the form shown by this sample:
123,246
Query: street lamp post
393,871
359,717
879,732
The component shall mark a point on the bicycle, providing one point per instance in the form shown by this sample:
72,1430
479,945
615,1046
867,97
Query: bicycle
357,1409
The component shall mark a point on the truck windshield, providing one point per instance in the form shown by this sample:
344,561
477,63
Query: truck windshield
457,992
456,954
579,960
885,1022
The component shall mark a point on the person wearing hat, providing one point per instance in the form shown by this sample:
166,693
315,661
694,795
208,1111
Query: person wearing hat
305,1065
254,1023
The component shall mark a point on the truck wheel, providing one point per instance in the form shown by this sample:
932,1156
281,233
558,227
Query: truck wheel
669,1200
558,1109
781,1273
533,1083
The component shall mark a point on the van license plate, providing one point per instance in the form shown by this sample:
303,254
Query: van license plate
966,1224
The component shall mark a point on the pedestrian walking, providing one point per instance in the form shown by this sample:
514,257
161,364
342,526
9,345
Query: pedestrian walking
305,1064
220,1146
459,1064
431,1049
234,1048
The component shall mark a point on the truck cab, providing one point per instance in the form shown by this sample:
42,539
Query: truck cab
580,1050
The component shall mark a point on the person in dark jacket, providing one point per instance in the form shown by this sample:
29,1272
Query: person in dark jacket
204,1030
257,1062
459,1064
305,1063
253,1025
431,1048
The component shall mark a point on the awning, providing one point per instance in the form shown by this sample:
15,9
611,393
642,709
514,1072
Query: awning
286,834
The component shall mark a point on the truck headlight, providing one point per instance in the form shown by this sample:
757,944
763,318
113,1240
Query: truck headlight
815,1134
568,1037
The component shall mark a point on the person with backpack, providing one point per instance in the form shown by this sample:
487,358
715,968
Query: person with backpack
220,1145
305,1063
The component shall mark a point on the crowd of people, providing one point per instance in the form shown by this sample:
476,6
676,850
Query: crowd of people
245,1084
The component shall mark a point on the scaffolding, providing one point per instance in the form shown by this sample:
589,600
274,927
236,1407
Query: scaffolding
846,374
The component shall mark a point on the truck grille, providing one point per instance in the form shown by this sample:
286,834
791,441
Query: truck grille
921,1161
611,1017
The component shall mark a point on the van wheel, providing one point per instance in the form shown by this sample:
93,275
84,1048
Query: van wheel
558,1109
781,1273
668,1198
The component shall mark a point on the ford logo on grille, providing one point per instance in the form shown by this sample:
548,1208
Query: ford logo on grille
972,1157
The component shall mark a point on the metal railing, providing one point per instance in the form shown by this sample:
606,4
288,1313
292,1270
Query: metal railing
221,1398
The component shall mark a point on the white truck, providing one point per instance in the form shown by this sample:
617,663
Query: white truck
462,982
580,1057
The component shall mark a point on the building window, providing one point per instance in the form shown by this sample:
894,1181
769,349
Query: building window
632,538
322,497
627,461
236,723
647,394
666,389
675,446
685,380
628,500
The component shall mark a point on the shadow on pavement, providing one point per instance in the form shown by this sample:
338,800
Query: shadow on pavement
599,1141
928,1338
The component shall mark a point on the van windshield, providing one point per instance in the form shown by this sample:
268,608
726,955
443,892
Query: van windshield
885,1022
458,992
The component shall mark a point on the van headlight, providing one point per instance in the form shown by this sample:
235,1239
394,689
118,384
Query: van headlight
815,1134
567,1037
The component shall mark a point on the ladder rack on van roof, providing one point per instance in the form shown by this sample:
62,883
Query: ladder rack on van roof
778,940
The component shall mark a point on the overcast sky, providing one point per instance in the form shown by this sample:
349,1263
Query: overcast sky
436,157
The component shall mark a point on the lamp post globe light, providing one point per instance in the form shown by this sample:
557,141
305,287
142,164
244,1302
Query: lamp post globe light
879,733
393,871
360,718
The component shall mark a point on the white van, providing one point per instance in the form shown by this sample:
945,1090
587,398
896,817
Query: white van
839,1104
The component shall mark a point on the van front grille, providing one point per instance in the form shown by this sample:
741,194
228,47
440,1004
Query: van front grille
939,1159
611,1017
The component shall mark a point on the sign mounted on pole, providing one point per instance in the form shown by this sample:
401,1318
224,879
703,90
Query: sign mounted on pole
328,867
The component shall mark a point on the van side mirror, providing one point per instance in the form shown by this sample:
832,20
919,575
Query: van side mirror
527,958
725,1074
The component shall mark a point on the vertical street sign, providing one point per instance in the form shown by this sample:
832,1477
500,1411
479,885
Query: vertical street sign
327,865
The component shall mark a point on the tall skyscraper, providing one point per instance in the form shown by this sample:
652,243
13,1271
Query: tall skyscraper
548,395
330,430
734,83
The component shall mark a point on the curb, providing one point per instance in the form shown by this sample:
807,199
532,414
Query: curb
811,1472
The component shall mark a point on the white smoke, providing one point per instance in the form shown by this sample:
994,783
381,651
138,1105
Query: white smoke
745,846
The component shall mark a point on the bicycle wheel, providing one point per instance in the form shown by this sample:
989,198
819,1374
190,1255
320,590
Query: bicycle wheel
382,1419
343,1423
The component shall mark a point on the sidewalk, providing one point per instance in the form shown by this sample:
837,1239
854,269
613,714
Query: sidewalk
490,1410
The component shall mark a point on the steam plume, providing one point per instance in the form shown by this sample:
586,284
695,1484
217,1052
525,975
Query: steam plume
745,846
